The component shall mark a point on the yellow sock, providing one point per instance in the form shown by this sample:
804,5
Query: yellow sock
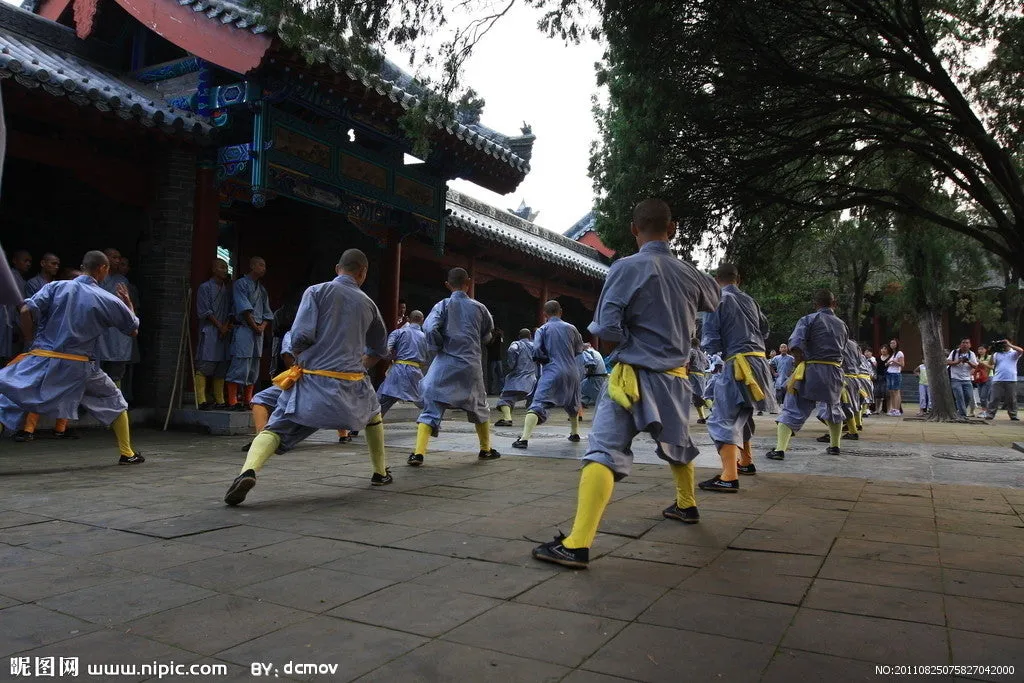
685,477
851,425
710,403
506,412
574,425
375,440
263,446
730,455
835,433
783,435
200,383
124,440
218,390
596,484
423,433
702,413
31,422
483,432
529,424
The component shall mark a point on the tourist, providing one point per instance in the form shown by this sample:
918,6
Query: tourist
114,349
251,312
782,367
961,363
737,329
882,382
555,347
59,377
1004,380
697,368
213,308
328,387
647,390
924,400
407,348
818,342
982,378
894,378
456,329
521,379
402,317
49,266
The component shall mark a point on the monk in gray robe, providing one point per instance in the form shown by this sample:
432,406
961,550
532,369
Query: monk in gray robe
521,380
337,335
817,344
407,347
252,316
649,307
213,309
456,330
555,346
738,330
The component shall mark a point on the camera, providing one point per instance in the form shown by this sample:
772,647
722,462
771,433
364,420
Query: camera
998,346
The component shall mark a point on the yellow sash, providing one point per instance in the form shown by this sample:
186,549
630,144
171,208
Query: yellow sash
624,388
408,362
49,354
801,369
744,373
697,374
287,379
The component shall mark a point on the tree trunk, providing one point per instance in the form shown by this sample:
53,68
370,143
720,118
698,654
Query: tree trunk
930,326
860,284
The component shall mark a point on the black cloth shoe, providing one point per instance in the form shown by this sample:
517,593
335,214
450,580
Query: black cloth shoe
136,459
219,406
685,515
205,405
415,460
503,423
66,434
1014,418
852,437
345,439
354,432
242,484
238,408
746,469
489,455
775,455
554,551
382,480
21,436
521,443
575,438
715,483
760,413
832,450
246,447
824,438
702,421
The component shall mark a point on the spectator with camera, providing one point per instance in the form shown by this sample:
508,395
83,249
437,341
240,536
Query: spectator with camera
961,362
982,377
1004,379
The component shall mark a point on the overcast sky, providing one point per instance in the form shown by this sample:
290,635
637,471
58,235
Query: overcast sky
524,76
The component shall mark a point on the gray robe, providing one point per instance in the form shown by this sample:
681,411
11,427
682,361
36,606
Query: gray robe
521,379
114,345
407,343
649,306
822,336
212,298
456,330
555,346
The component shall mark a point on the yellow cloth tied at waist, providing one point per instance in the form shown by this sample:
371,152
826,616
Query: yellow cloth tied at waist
697,374
408,362
801,370
287,379
744,373
49,354
624,387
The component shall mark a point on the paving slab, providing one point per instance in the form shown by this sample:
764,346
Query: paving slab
443,661
26,627
867,638
423,610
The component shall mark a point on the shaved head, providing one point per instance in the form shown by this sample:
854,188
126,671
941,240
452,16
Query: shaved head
525,333
93,261
652,217
416,317
728,273
552,308
823,298
353,261
256,261
458,278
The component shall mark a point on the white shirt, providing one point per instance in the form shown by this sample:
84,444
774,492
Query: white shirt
894,369
1006,366
962,371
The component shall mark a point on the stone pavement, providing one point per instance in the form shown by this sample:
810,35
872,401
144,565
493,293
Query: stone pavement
797,577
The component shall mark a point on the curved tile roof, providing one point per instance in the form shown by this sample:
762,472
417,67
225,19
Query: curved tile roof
501,227
227,12
35,65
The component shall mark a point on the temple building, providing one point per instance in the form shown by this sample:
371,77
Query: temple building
585,232
177,130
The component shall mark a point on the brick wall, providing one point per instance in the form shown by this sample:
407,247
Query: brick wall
165,269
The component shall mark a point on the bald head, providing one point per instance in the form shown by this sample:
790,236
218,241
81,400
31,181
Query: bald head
257,267
353,263
525,333
96,264
416,317
823,298
552,308
727,274
49,265
458,279
21,260
219,268
652,218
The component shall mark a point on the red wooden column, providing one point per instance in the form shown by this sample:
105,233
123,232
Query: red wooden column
205,226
